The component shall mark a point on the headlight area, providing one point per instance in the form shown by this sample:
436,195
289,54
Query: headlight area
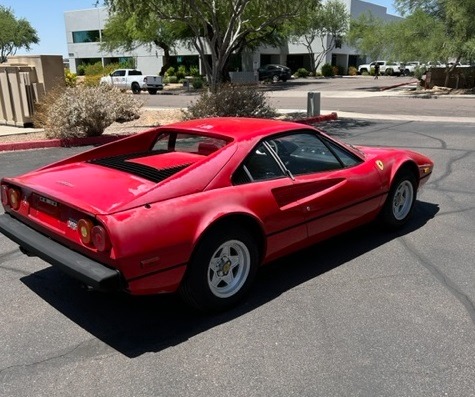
93,235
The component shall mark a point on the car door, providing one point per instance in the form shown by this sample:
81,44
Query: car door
269,193
334,187
119,80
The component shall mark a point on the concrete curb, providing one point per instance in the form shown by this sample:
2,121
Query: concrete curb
103,139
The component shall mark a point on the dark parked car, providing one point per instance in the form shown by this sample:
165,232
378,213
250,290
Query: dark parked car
274,72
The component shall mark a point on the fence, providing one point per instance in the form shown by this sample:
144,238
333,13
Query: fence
461,77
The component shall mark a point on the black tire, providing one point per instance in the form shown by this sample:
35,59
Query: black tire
275,78
221,270
389,72
152,91
399,205
135,88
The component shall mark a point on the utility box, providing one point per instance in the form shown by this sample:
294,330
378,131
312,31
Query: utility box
313,104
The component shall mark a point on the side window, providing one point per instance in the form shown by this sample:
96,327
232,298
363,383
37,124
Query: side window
118,73
260,165
348,159
305,153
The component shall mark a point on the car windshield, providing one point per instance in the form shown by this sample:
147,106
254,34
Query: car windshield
187,143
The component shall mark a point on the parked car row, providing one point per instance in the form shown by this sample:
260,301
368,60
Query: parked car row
400,68
385,67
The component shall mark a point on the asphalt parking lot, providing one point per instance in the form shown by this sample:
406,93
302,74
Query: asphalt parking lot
366,314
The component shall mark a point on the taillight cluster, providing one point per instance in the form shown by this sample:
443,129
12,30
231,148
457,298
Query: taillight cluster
11,197
93,235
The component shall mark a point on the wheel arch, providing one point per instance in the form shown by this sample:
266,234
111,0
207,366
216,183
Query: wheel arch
243,220
406,166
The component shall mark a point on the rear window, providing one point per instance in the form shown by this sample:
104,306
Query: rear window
188,143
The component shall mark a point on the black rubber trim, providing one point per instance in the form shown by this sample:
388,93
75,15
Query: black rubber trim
80,267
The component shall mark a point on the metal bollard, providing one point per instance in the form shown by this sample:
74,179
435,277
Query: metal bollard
313,104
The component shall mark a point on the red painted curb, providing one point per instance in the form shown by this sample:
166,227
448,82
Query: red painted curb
68,142
318,119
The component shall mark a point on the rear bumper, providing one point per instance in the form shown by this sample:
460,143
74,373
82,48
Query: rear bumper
80,267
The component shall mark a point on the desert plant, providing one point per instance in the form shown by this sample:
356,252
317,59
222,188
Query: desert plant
327,70
170,71
170,80
352,71
231,100
197,83
181,72
70,78
85,111
302,72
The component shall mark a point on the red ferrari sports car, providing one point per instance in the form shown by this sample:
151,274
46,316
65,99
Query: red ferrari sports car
195,207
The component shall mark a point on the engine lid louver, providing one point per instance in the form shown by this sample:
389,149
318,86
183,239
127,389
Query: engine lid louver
121,163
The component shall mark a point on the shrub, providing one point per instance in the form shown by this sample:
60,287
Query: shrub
197,83
170,80
85,111
93,69
194,71
302,72
231,100
352,71
70,78
327,70
170,71
92,81
181,72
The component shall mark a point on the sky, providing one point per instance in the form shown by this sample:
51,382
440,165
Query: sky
47,18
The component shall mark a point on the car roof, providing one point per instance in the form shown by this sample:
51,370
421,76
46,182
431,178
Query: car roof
236,128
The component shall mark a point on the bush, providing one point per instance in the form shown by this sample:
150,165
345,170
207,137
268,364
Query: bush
302,72
352,71
181,72
194,71
93,69
231,100
92,81
170,80
70,78
170,72
327,70
85,111
197,83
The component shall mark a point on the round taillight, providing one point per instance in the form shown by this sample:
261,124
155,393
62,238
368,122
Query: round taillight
14,198
84,229
100,239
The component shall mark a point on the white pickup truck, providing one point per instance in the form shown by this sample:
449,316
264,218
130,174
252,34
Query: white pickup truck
385,67
134,80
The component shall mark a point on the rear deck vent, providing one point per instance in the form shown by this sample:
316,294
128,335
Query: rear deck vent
144,171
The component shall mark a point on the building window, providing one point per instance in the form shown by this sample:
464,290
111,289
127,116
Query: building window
86,36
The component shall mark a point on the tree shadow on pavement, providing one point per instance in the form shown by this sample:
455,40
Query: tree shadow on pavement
341,126
137,325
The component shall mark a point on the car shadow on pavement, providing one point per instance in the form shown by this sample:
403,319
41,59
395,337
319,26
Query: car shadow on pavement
137,325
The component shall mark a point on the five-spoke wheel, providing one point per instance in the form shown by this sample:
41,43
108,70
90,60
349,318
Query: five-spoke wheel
221,269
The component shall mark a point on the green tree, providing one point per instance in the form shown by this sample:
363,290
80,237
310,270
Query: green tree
127,31
327,23
370,36
14,34
219,28
420,36
454,22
